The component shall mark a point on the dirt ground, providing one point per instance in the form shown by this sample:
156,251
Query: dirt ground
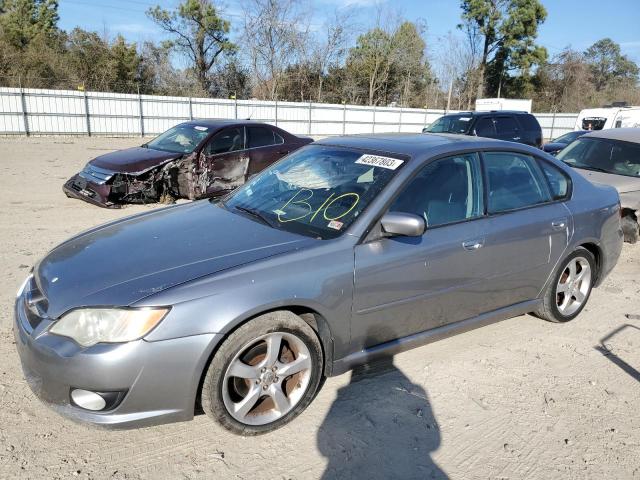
519,399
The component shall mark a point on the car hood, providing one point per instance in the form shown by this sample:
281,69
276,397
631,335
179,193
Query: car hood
125,261
621,183
133,160
553,146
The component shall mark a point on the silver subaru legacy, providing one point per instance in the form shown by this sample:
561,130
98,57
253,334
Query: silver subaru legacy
349,250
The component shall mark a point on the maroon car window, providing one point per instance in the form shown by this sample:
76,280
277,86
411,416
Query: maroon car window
259,137
278,138
228,140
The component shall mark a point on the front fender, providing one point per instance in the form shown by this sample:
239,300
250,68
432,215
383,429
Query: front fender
319,279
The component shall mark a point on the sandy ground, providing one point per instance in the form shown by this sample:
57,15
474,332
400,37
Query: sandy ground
519,399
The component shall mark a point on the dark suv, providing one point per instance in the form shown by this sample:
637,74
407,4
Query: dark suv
521,127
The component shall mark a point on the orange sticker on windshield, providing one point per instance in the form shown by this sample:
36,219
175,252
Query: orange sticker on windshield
335,224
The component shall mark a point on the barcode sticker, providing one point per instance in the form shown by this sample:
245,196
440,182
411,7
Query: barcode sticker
378,161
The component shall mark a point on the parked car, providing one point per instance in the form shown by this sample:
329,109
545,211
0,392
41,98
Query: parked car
197,159
349,250
520,127
612,157
557,144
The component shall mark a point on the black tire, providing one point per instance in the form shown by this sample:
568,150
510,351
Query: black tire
549,310
630,229
212,389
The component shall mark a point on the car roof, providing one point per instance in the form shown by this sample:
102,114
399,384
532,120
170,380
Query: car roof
411,144
222,122
623,134
490,112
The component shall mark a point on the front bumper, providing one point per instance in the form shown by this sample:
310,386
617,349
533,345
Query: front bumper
94,193
161,379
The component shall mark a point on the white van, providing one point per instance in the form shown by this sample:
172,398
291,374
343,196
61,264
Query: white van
608,117
490,104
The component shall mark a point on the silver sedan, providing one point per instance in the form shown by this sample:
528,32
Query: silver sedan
349,250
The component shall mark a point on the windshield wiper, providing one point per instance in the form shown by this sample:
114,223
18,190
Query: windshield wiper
595,169
256,214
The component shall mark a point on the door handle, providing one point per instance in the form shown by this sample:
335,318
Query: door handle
283,152
559,224
516,138
472,245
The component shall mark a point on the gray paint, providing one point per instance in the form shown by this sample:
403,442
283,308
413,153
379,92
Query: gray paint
372,295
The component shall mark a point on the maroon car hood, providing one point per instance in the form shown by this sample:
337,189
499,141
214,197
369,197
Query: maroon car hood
133,160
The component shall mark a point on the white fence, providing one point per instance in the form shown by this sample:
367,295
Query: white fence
69,112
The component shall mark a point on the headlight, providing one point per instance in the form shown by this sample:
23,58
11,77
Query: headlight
89,326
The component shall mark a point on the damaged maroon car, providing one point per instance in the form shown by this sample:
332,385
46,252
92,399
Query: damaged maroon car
192,160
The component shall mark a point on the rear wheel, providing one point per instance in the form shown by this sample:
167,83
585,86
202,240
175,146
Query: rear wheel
567,294
264,375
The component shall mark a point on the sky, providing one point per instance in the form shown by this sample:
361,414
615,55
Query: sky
575,23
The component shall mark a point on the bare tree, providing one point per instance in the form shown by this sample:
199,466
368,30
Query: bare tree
275,31
329,52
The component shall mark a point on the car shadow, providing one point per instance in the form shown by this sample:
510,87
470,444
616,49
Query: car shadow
608,353
381,425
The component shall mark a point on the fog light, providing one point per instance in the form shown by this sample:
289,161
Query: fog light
88,400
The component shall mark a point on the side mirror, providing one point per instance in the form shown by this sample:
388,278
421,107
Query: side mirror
402,224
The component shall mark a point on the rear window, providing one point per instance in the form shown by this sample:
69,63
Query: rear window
529,122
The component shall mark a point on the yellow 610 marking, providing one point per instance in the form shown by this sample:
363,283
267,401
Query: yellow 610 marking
325,206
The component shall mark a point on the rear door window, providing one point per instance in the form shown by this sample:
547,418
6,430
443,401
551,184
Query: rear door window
260,137
506,127
514,181
485,127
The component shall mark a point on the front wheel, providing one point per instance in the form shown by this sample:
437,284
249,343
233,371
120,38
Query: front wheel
568,292
264,374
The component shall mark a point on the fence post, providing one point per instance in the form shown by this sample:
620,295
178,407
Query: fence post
141,115
86,113
400,121
276,112
309,128
190,109
344,118
553,124
426,116
235,106
23,103
373,129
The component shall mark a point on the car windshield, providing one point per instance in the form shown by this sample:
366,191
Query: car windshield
567,137
603,155
451,124
316,191
180,139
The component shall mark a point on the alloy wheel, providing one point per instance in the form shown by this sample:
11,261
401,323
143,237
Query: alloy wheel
267,378
573,286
